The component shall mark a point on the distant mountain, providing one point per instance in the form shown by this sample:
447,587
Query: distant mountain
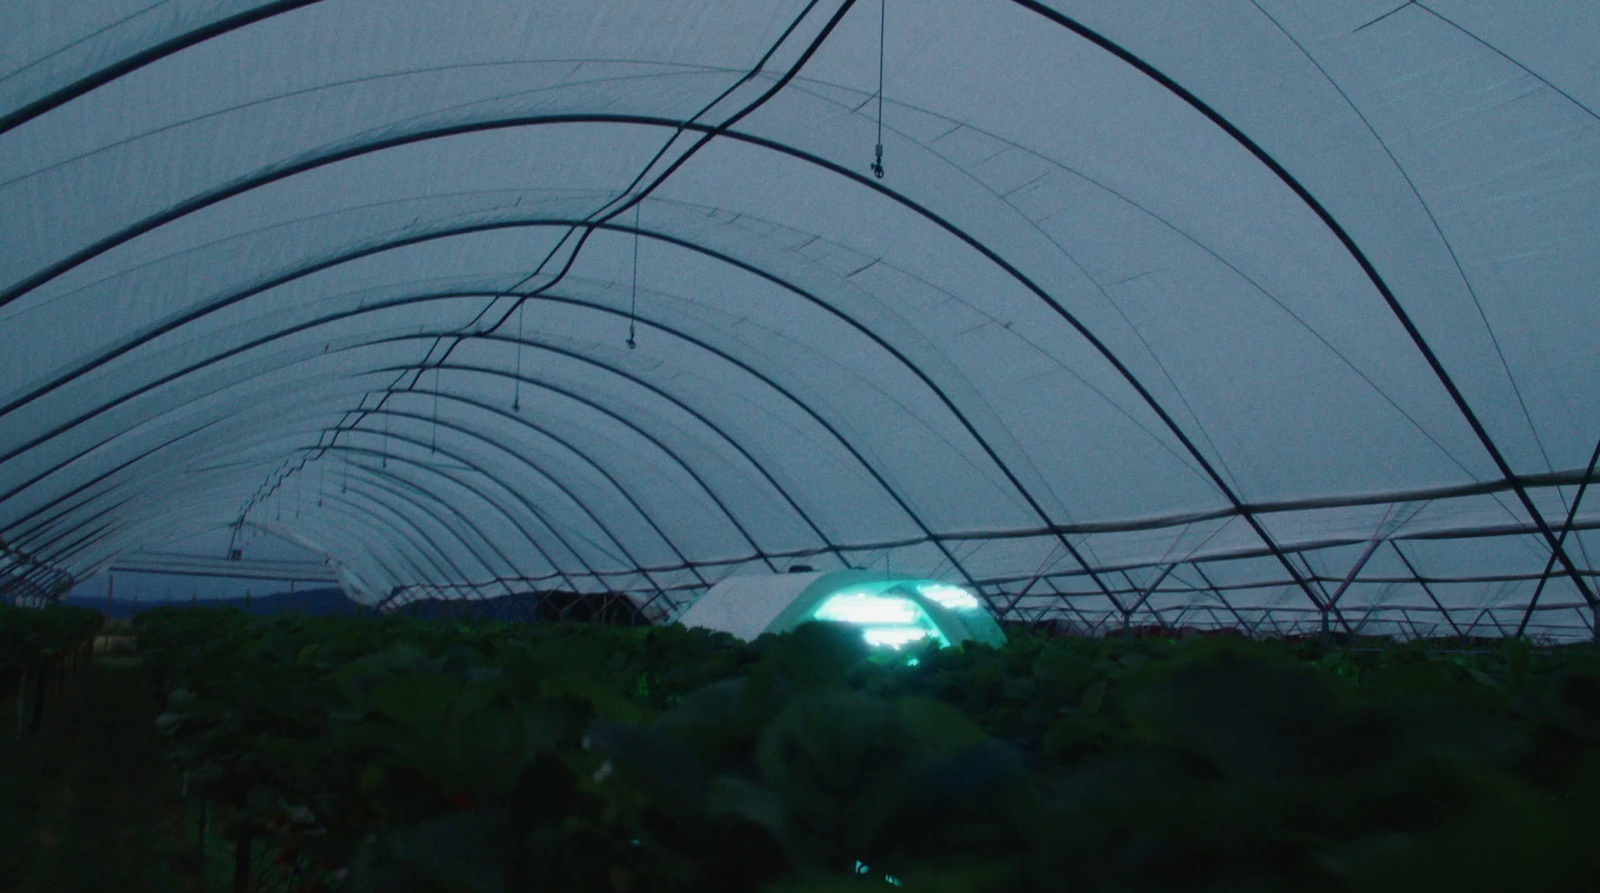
332,602
529,606
328,602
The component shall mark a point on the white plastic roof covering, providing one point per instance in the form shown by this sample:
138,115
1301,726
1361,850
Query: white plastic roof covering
1234,312
747,606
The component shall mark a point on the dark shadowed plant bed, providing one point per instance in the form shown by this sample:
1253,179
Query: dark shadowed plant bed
389,754
90,802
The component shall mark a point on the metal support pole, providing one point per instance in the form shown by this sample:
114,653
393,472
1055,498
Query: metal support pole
1427,589
1496,621
1011,605
1366,554
1557,552
1243,624
1088,627
1177,622
1033,622
1145,596
1365,619
1276,626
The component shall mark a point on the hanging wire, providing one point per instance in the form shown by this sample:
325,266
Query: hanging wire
516,387
633,298
877,165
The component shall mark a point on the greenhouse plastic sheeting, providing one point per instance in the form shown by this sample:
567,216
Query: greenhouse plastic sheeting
1259,313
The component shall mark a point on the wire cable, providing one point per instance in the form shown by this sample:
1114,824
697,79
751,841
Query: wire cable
516,388
633,297
877,164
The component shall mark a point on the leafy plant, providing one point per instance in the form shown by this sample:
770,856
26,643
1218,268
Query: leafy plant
385,753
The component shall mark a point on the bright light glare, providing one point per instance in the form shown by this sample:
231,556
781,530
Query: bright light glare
953,597
859,607
894,636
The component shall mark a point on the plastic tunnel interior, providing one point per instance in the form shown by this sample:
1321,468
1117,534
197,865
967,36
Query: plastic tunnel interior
1266,314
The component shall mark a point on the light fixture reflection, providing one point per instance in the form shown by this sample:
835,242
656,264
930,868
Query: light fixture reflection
859,607
953,598
894,636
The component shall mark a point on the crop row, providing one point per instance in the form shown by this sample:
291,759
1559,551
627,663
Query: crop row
400,755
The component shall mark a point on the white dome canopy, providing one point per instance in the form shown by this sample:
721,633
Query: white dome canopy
1241,313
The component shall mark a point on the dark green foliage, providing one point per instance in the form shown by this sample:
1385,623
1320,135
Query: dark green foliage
392,754
29,636
39,649
87,804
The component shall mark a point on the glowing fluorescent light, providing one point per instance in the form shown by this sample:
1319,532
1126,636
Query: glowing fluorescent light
953,597
894,636
859,607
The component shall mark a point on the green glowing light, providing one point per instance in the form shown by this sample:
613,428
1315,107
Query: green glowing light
894,636
859,607
952,597
893,614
